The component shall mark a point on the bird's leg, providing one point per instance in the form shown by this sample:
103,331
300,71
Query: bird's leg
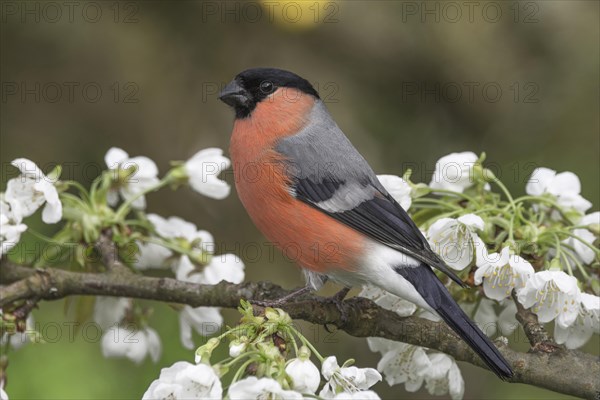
338,300
284,299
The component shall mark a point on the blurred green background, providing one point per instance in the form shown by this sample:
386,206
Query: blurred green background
408,82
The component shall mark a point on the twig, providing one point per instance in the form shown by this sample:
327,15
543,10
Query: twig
538,337
110,255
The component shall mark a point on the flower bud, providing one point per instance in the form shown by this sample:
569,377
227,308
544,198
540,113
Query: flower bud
269,351
236,347
304,374
277,315
204,352
304,353
54,175
178,174
91,226
555,265
594,228
529,233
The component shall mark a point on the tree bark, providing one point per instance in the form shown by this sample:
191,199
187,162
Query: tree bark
566,371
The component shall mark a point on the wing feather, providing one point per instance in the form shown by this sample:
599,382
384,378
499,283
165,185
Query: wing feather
380,218
328,174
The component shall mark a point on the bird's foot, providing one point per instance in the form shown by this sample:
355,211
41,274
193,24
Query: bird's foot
281,301
338,300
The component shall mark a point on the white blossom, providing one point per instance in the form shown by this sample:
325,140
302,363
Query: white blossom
455,240
184,380
144,176
485,316
552,295
263,388
236,348
591,219
362,395
454,172
109,311
204,320
401,363
133,344
151,255
586,324
388,301
305,375
507,321
10,227
564,186
412,366
203,170
582,251
223,267
491,323
346,379
178,228
27,192
501,273
398,188
443,376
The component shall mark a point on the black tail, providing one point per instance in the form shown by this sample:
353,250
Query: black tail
456,318
436,295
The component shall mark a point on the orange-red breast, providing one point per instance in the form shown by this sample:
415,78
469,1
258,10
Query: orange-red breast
310,192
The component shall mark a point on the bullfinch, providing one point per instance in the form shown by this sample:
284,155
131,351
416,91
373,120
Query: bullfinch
311,193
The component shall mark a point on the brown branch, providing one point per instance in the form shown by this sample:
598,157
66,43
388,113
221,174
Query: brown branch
109,253
363,318
538,337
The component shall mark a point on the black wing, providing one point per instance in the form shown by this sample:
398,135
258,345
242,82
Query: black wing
381,218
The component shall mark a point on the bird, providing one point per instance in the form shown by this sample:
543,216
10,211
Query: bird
312,194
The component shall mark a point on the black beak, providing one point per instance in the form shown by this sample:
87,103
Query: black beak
234,95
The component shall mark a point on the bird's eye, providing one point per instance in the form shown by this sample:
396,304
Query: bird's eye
266,87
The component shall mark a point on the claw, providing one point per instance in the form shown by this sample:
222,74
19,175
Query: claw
338,300
281,301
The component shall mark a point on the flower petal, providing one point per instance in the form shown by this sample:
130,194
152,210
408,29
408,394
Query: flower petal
454,172
115,156
472,221
145,168
539,181
565,182
24,200
224,267
29,169
52,212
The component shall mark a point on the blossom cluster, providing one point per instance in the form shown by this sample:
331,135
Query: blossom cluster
115,203
281,356
539,249
24,195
